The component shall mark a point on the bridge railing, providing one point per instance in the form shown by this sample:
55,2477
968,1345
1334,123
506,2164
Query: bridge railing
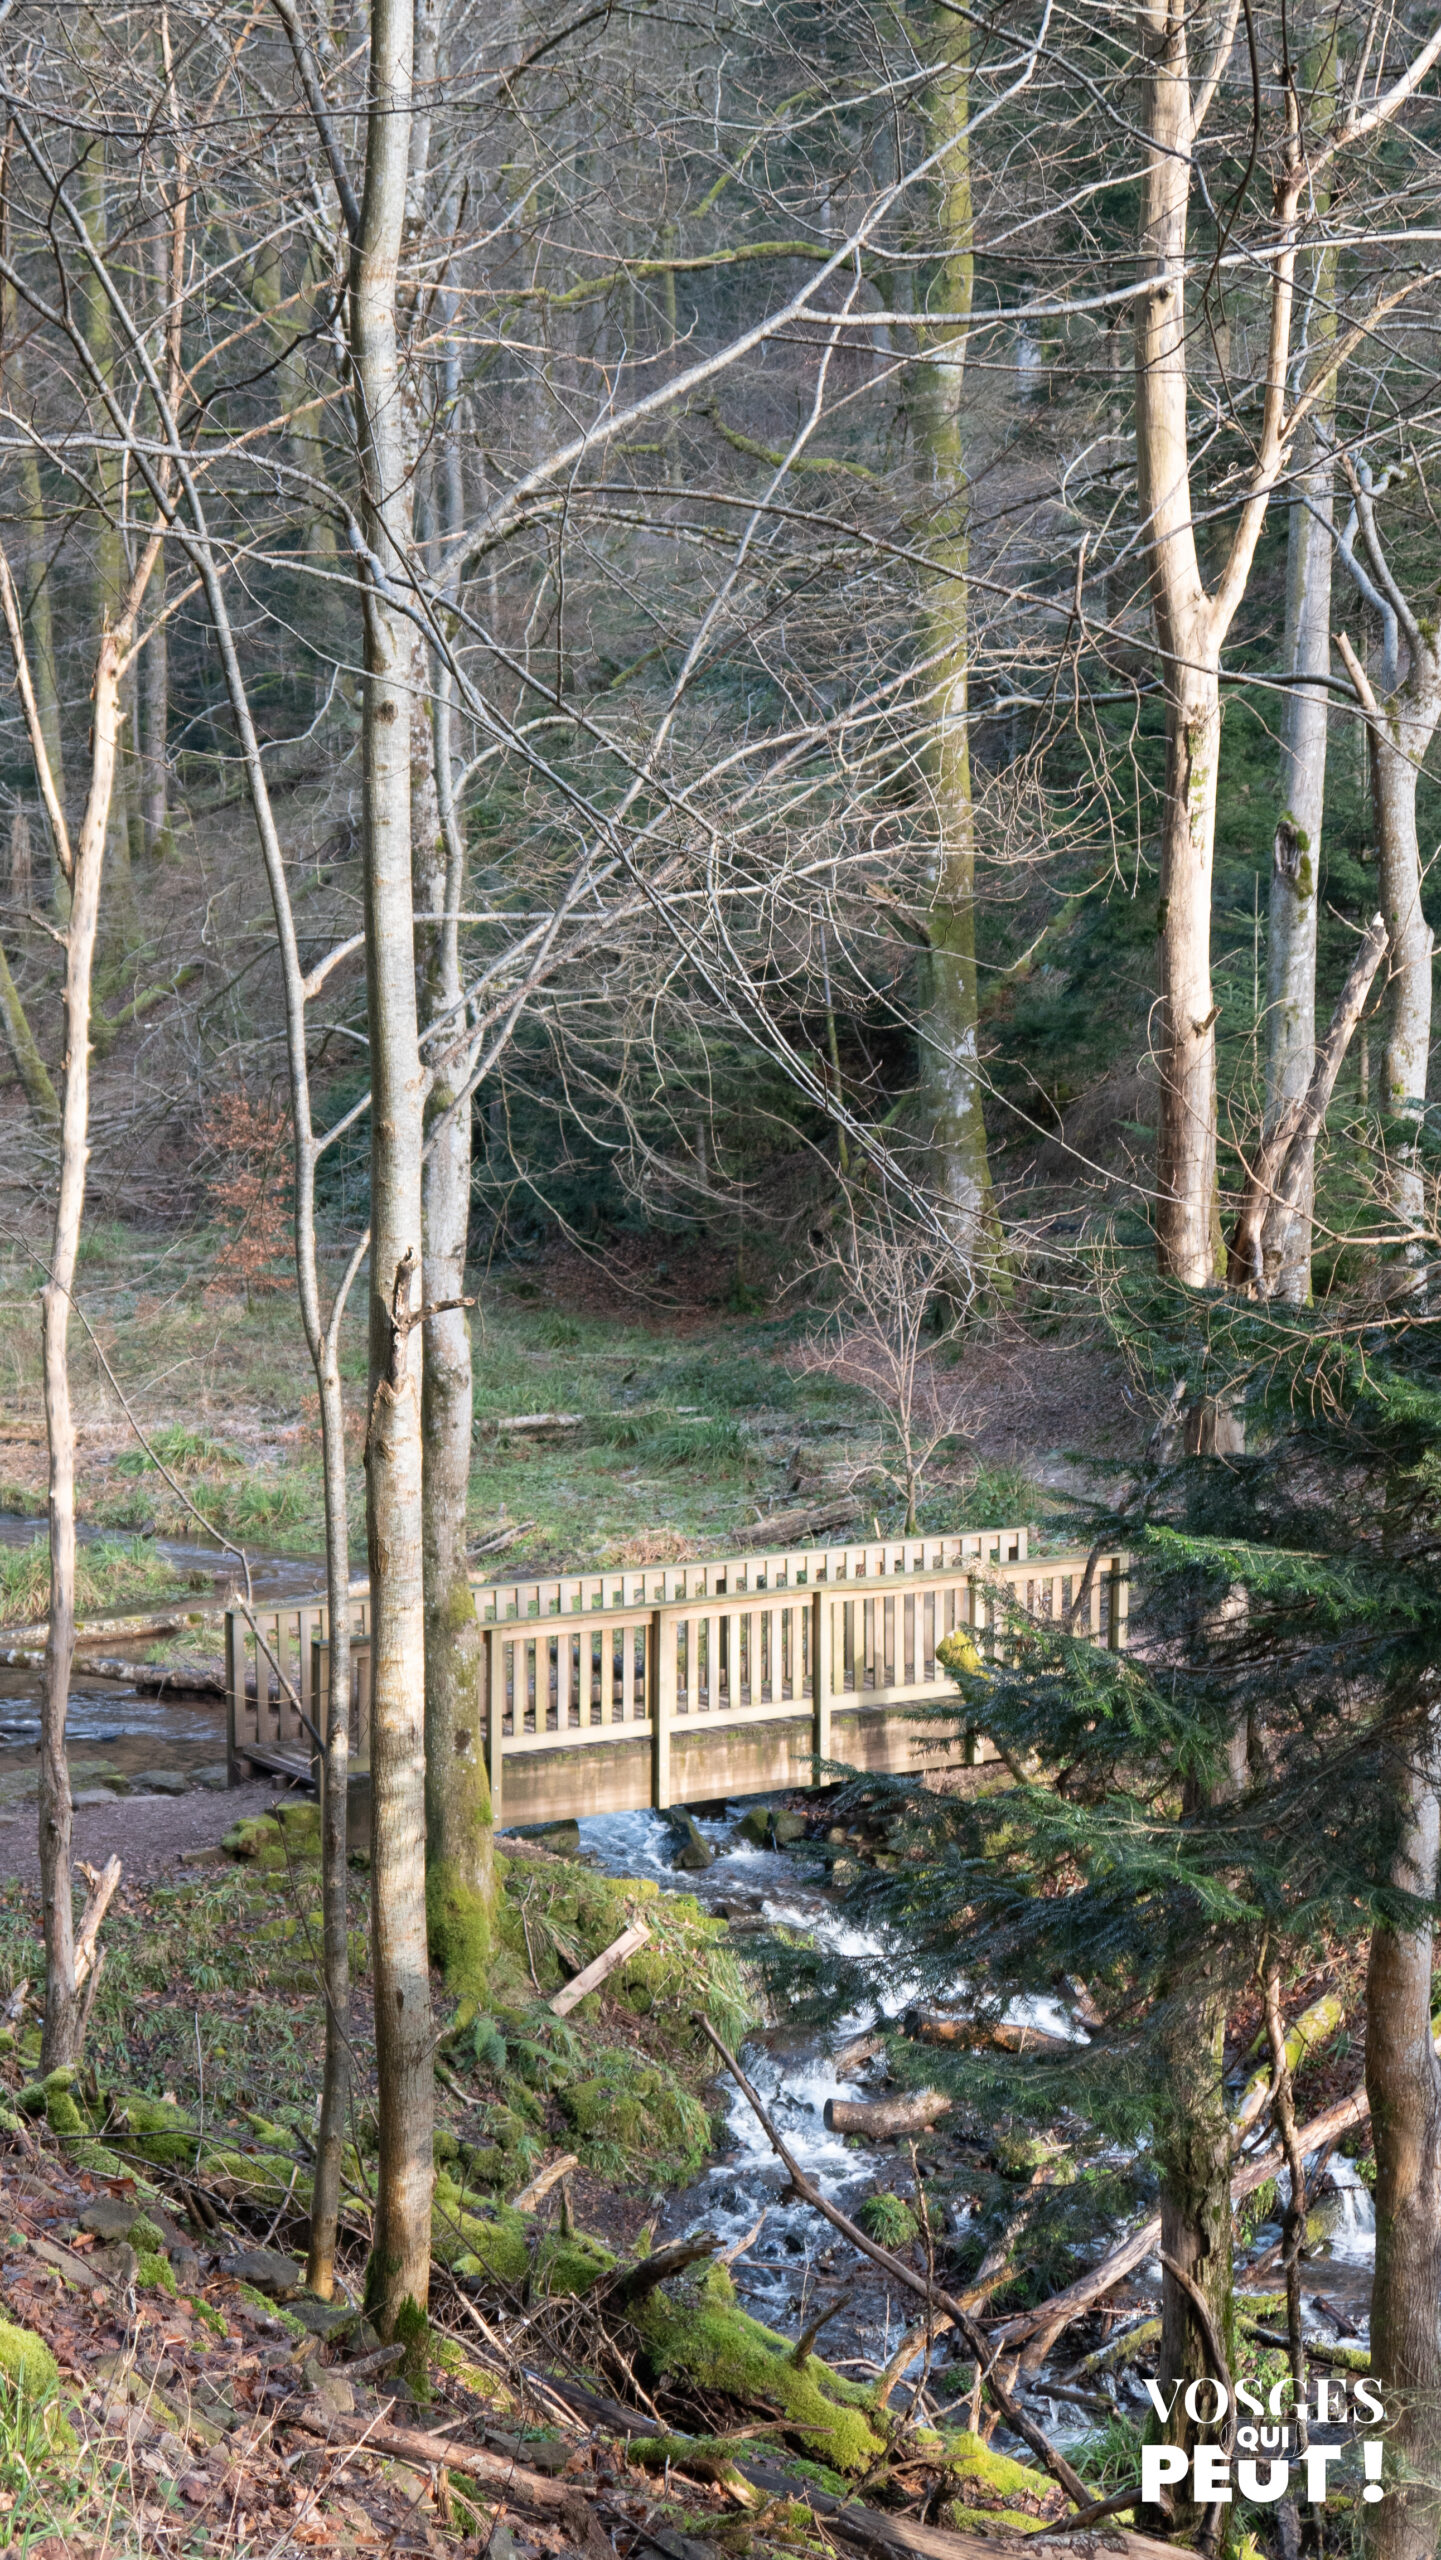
671,1654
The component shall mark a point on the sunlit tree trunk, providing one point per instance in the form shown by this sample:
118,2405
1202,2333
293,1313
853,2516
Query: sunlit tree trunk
1296,853
951,1086
1191,621
1403,2083
460,1862
399,2276
155,724
1402,720
1295,864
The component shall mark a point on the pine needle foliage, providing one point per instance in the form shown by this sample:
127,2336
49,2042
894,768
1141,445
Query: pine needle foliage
1226,1789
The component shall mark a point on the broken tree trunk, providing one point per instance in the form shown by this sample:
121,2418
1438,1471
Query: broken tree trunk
1281,1174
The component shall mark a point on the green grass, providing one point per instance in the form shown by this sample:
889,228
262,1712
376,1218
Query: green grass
109,1574
228,1401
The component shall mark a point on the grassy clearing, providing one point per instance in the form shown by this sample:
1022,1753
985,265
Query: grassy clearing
688,1433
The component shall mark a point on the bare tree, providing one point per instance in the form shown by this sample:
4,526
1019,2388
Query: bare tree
894,1336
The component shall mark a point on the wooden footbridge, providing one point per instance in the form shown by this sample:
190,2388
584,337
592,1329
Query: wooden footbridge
681,1683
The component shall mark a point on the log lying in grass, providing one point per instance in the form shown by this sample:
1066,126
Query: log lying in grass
879,2119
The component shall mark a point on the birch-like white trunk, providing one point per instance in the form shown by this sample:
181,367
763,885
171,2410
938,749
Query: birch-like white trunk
399,2278
61,2041
1403,2083
1295,864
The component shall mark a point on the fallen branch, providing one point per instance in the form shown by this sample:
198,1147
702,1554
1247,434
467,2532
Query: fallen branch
800,2352
540,2185
525,2489
864,2526
933,2295
617,1953
631,2284
501,1539
98,1901
1048,2319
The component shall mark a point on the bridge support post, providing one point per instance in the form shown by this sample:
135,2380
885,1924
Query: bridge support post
821,1675
237,1769
663,1629
494,1713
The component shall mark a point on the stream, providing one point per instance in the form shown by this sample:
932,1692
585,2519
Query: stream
115,1732
798,2261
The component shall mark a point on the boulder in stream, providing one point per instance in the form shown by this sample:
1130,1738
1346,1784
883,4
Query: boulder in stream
766,1827
693,1852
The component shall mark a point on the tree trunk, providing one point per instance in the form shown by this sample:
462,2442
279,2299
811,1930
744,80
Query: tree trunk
1291,931
1403,2083
62,2009
460,1863
155,725
950,1065
1186,1206
1399,743
1193,2151
40,625
398,2283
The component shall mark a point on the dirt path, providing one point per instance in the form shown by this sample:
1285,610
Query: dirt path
147,1833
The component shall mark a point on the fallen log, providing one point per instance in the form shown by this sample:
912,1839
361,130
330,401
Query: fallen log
879,2119
995,2035
133,1630
865,2527
619,1952
528,2490
1045,2323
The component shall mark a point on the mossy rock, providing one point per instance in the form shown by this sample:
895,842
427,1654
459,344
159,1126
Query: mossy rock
486,2165
34,2100
494,2245
31,2370
995,2485
625,2113
703,2334
153,2272
155,2129
571,2266
273,1841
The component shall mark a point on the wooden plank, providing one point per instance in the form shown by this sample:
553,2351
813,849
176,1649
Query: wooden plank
619,1952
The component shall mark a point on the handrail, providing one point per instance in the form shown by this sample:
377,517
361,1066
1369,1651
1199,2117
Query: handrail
795,1637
